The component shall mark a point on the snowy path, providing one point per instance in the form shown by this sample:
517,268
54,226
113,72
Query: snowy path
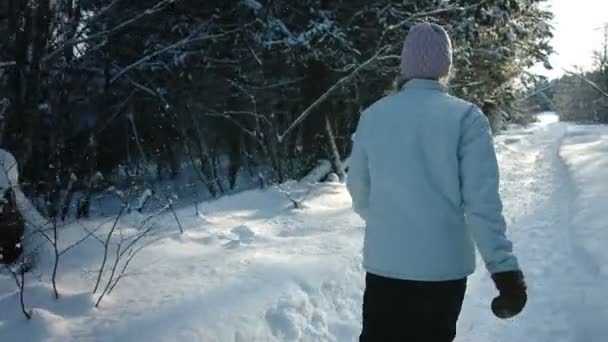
253,269
538,195
542,201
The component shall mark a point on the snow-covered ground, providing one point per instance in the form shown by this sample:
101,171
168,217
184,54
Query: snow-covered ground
252,268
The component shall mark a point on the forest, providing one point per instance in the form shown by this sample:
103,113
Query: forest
579,95
100,93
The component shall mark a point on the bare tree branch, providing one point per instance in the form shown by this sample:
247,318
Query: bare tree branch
132,251
333,88
589,82
152,10
116,114
536,92
103,11
427,13
26,312
7,64
89,234
280,84
20,281
298,203
106,246
188,40
181,229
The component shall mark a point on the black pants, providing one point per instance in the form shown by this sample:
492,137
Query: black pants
411,311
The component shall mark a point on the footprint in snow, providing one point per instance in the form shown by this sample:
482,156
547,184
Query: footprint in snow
243,236
511,141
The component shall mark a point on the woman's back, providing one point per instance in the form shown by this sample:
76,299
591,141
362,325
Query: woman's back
423,175
415,217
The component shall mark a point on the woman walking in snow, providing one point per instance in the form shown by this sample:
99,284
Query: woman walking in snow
424,177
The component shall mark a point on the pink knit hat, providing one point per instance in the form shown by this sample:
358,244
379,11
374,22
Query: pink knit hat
427,53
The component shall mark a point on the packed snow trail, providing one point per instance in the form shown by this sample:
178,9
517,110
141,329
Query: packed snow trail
252,268
538,195
541,190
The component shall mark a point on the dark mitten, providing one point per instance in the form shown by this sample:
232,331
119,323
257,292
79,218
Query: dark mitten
512,296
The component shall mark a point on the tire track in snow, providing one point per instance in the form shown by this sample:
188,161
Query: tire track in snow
560,272
588,315
536,208
544,246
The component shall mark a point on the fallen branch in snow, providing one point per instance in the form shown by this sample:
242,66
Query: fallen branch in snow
319,172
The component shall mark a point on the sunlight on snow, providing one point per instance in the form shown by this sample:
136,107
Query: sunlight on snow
547,118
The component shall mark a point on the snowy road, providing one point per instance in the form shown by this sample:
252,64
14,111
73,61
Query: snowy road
540,198
253,269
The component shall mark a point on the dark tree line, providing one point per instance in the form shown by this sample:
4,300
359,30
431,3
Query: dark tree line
148,87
